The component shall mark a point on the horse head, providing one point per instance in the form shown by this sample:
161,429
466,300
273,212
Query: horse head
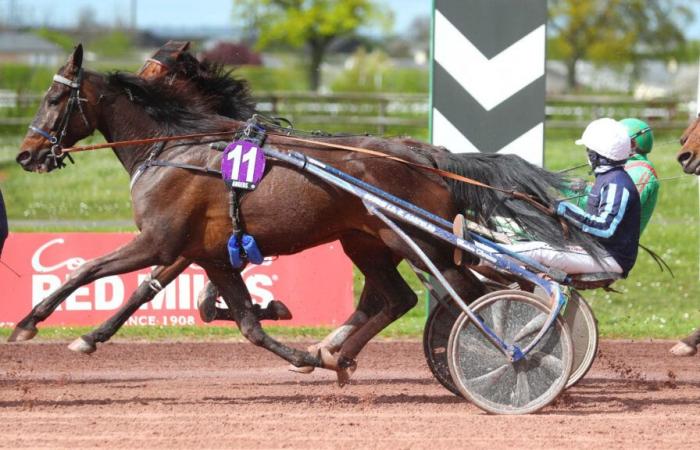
167,62
173,64
689,154
64,117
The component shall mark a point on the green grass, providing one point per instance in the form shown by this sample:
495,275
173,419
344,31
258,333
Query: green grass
652,304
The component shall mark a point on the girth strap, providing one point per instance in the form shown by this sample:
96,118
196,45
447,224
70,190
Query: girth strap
205,170
151,161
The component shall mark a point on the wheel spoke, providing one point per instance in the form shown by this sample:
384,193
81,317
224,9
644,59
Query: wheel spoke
499,315
488,379
521,396
532,327
546,361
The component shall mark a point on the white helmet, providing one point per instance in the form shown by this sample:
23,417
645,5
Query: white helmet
608,138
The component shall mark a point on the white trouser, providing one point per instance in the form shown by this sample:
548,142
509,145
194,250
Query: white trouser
573,260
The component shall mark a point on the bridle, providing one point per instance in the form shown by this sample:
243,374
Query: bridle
56,135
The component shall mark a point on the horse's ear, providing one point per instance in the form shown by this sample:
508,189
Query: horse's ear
77,57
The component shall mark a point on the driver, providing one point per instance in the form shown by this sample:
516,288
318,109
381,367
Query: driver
612,212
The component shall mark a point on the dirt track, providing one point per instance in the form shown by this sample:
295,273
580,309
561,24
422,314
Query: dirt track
222,395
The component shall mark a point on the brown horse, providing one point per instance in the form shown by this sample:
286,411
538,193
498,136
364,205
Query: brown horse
183,213
171,63
689,159
689,154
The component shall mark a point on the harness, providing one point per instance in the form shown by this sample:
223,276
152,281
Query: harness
56,135
151,161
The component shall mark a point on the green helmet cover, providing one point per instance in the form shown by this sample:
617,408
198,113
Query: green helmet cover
641,134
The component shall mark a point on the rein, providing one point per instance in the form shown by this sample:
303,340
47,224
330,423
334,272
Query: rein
443,173
116,144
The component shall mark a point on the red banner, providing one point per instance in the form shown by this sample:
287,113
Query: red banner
316,284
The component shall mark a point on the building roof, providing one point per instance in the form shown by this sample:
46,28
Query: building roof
17,42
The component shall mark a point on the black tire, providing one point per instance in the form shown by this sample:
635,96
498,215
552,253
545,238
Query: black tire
435,337
437,332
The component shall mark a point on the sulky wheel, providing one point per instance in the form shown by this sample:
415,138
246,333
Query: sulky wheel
485,376
583,327
437,332
584,335
435,335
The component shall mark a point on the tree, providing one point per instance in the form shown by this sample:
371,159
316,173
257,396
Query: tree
313,24
615,31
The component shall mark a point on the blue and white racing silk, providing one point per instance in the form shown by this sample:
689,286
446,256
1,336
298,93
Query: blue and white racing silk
612,215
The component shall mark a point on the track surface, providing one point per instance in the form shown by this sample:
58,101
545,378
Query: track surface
223,395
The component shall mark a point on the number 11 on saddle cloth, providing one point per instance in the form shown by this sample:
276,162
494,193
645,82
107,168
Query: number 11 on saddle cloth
242,167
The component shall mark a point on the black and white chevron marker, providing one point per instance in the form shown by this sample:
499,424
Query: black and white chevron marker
488,83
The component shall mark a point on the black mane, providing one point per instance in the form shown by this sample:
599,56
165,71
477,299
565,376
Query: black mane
513,173
178,108
232,93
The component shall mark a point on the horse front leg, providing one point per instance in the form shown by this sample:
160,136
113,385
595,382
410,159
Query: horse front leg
239,302
137,254
160,277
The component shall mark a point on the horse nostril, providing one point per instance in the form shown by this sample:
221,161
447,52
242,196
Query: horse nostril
682,157
24,158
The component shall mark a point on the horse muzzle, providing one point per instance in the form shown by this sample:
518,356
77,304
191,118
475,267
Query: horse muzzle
41,161
690,162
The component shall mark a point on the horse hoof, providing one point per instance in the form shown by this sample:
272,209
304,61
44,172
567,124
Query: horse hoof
314,350
303,369
280,310
206,303
683,349
343,372
22,334
80,345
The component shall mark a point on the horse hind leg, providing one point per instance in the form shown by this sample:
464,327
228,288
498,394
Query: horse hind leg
209,312
238,300
371,303
160,277
378,264
382,274
336,338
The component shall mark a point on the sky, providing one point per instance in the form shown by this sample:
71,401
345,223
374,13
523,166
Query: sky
166,13
187,15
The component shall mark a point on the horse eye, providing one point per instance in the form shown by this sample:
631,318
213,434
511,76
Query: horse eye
684,139
53,101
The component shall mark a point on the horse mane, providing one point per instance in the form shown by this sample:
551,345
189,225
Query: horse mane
232,93
513,173
178,107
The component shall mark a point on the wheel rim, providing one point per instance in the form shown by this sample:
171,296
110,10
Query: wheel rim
485,376
584,335
437,333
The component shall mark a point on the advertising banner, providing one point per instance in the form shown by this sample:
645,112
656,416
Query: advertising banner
316,284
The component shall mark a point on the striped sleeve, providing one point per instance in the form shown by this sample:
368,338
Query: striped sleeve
610,212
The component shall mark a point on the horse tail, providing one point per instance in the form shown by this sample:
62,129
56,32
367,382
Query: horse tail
512,173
